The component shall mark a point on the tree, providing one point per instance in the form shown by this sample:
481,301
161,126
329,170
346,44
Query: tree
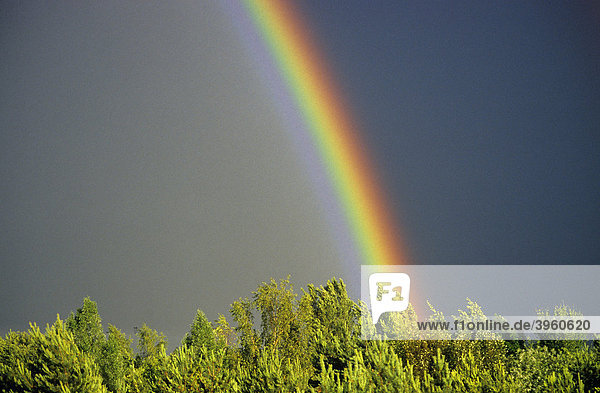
151,344
284,322
300,345
201,334
276,304
335,323
50,362
224,333
86,327
115,359
248,339
150,359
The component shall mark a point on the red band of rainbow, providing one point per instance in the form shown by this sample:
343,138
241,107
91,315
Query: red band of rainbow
332,130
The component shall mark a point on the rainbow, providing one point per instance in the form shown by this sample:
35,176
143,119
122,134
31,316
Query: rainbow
332,131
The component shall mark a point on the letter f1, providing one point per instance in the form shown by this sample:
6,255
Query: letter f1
378,282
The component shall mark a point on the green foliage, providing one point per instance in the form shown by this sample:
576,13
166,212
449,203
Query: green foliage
334,322
86,327
271,372
224,334
487,349
115,359
151,344
205,371
201,334
555,369
150,359
276,305
112,354
248,339
561,311
307,343
379,369
284,324
50,362
276,356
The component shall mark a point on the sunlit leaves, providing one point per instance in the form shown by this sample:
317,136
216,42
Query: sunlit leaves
282,341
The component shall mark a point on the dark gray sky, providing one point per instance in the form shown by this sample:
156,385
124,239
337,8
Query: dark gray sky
143,163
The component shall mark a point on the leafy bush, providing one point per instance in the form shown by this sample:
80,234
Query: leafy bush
298,343
50,362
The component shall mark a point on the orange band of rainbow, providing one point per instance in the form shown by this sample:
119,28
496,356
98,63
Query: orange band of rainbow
332,130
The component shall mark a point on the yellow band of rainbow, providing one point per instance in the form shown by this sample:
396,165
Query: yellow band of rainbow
332,130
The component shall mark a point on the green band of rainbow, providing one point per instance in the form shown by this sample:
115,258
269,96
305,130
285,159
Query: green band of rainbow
332,130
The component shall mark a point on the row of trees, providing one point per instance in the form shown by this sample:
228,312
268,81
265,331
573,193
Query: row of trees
298,343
